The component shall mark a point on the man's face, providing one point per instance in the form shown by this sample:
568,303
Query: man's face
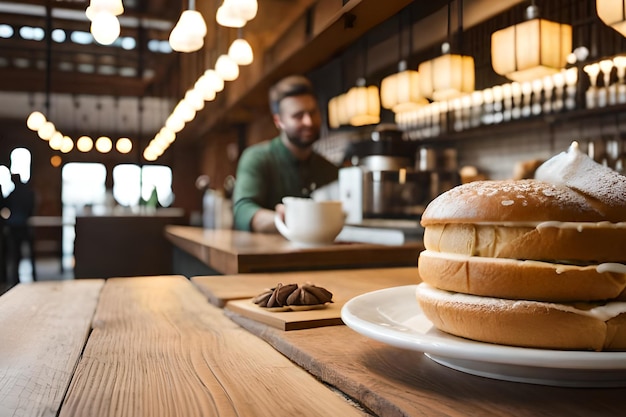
299,118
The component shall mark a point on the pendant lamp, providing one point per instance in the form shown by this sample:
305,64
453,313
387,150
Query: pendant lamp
613,13
363,104
532,49
241,52
189,32
400,92
447,76
451,74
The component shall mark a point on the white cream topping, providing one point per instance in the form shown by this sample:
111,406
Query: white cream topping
578,171
557,224
610,267
603,312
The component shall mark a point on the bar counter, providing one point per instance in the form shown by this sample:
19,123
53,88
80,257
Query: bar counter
231,251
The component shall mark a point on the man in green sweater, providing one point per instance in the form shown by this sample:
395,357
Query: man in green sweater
285,165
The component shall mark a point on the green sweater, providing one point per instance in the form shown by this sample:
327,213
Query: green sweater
268,171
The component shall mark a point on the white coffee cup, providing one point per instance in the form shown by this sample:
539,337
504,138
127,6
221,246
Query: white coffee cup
310,222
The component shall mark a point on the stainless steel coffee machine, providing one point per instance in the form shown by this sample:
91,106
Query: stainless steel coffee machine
392,178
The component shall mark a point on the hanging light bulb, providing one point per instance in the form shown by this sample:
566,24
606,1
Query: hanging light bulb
84,144
241,52
35,120
168,135
67,144
189,32
228,16
104,144
184,111
46,131
203,87
247,8
124,145
96,6
56,141
195,99
175,123
214,80
226,68
105,28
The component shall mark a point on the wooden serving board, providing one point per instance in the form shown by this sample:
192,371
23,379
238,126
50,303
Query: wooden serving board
236,291
343,283
288,320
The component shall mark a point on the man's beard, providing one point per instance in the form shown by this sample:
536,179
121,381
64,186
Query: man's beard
297,141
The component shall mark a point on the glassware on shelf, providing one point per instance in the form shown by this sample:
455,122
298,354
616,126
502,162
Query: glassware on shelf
507,101
620,64
537,87
559,84
457,106
571,82
466,103
592,71
498,97
606,66
516,93
527,93
548,87
487,100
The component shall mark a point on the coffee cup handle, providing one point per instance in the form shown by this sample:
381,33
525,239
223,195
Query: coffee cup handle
281,226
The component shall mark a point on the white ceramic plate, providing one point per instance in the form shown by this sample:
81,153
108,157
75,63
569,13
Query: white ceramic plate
393,316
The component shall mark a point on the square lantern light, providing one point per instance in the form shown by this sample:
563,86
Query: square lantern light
532,49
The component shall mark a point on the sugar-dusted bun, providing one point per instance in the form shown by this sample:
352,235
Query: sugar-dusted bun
526,323
522,280
522,202
574,242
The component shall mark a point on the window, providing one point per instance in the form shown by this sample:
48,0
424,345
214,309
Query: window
21,163
159,177
126,180
132,182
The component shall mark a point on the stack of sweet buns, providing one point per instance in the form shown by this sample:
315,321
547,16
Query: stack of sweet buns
535,263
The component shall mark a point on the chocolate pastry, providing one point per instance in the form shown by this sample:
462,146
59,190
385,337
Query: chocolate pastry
283,296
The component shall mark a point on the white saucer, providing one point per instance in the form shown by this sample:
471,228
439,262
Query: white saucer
393,316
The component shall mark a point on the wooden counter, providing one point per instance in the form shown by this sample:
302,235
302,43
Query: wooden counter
232,252
391,381
156,348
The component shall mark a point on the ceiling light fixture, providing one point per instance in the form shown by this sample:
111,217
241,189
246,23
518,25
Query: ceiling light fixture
189,32
400,92
531,49
241,52
613,14
226,68
451,74
104,144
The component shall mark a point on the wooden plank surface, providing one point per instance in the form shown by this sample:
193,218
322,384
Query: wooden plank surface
43,329
235,251
159,349
393,382
343,283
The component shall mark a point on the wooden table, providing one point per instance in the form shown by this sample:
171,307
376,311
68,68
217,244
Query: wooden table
394,382
232,252
150,346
